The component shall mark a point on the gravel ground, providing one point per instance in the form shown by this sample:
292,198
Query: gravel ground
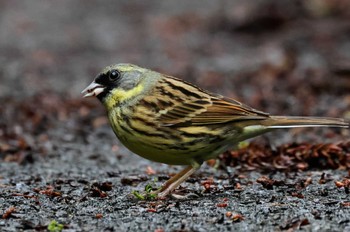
61,162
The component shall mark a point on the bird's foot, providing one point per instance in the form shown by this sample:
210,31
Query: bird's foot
184,197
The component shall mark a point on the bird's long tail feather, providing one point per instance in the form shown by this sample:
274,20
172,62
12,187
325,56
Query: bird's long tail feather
295,121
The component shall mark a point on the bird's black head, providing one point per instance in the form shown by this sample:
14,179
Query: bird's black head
115,77
109,81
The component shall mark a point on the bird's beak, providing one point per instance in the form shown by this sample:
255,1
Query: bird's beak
93,89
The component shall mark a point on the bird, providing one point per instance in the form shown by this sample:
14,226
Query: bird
168,120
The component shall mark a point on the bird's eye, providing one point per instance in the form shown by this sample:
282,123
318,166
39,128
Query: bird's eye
114,75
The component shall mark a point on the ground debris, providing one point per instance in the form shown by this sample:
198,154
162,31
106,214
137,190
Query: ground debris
49,191
295,224
99,190
345,183
133,180
269,183
8,212
290,157
24,124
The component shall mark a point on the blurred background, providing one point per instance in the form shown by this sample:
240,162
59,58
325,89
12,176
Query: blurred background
243,49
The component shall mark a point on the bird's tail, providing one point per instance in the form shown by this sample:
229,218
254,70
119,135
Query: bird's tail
259,127
276,122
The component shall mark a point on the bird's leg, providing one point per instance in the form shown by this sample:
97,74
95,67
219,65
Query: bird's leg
173,179
176,180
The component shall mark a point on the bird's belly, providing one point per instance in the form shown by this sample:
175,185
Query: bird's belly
175,146
177,154
151,152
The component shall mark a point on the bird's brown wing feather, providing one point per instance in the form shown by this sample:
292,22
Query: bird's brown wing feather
223,110
205,108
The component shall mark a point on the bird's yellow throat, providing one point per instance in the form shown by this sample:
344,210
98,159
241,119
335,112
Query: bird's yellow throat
118,96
